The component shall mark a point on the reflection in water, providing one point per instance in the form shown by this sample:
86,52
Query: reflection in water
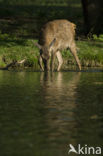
59,93
42,113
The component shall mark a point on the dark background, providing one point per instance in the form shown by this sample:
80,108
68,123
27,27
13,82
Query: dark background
26,17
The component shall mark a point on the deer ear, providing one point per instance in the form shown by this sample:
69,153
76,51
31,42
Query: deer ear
51,44
38,45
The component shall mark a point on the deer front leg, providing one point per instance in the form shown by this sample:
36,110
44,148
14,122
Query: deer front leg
74,52
60,60
52,61
40,63
48,65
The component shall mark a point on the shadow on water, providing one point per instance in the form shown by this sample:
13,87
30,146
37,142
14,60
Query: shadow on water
42,113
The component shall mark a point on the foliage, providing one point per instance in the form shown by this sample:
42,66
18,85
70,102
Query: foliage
96,38
26,17
16,48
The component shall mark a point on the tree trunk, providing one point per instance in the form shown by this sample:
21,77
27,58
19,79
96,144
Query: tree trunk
93,16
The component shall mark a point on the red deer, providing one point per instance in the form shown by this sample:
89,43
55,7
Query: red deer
55,36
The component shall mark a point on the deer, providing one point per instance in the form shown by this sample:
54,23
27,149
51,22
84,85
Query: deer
54,37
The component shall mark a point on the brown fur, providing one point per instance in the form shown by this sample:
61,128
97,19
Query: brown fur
63,31
56,29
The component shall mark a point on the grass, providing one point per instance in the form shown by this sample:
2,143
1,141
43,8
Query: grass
91,53
20,22
14,48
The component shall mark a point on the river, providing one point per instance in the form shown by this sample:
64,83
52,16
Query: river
42,113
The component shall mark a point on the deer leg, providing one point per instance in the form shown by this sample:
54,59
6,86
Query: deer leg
52,61
60,60
74,52
48,64
40,63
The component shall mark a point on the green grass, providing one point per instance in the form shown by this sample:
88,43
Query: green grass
91,53
16,48
13,48
20,23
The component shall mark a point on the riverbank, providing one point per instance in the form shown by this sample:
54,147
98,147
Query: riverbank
15,49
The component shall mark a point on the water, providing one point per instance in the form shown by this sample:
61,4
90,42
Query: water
41,114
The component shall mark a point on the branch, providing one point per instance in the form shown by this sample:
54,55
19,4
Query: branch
13,63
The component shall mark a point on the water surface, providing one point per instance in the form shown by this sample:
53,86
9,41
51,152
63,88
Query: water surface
41,114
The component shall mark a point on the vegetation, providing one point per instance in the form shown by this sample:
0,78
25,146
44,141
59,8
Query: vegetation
16,49
24,18
20,22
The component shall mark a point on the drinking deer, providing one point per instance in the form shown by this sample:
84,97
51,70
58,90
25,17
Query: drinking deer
55,36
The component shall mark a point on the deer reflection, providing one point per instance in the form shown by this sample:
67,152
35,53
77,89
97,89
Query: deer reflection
59,91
